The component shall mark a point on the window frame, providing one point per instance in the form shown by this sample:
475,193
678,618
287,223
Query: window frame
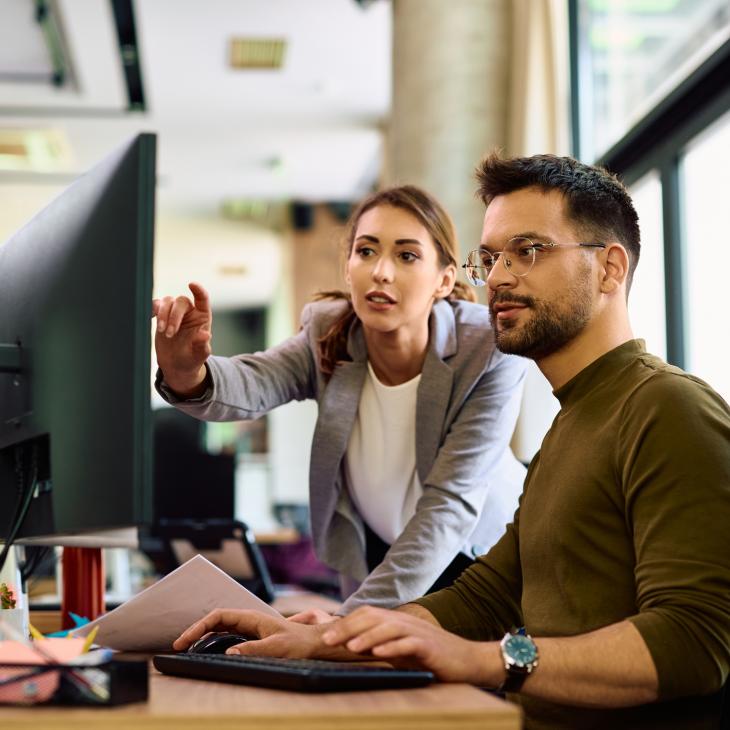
657,141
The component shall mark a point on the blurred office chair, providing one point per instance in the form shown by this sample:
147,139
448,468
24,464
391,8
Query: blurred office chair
229,544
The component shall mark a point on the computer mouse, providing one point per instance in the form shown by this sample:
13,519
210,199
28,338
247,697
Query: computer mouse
216,643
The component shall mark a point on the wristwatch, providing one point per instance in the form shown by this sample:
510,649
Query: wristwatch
520,656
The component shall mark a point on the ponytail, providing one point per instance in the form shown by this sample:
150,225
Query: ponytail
333,343
463,292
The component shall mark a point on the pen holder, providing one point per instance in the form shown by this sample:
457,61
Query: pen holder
10,580
18,621
115,682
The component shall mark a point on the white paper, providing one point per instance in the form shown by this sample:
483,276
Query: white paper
154,618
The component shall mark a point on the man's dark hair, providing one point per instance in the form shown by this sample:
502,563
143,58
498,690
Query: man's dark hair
595,200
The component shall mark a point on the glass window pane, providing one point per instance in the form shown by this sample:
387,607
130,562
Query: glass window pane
647,309
633,53
706,195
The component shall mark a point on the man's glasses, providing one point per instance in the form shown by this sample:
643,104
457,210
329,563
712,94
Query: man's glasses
518,257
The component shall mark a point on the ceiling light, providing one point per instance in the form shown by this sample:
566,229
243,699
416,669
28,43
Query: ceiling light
265,213
257,53
233,270
34,150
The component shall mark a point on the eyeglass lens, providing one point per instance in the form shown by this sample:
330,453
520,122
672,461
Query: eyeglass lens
518,256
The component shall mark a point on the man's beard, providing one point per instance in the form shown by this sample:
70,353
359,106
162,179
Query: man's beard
551,325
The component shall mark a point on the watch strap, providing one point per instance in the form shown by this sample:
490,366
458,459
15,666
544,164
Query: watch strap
514,681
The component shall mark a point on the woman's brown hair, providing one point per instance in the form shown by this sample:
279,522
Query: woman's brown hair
428,211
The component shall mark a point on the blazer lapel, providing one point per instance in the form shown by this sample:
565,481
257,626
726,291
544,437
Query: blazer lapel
434,390
341,398
337,410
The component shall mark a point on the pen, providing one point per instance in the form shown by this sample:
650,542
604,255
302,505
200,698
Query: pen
37,635
89,639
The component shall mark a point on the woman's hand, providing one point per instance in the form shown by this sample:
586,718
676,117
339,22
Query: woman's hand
313,617
183,338
405,640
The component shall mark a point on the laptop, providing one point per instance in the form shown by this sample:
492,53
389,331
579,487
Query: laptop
299,675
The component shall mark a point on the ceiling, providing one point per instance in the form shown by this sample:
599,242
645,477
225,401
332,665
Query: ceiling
311,131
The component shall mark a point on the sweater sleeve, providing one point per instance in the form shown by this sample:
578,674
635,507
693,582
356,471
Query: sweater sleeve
248,386
674,450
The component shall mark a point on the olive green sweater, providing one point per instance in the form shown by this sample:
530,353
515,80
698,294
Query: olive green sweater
625,515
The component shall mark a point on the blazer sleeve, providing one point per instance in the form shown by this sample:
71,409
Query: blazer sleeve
484,602
454,493
246,387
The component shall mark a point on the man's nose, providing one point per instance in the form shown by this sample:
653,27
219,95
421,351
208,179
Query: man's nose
500,277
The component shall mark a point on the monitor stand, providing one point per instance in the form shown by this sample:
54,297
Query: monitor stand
83,584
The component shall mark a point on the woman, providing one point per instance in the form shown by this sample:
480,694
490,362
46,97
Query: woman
411,474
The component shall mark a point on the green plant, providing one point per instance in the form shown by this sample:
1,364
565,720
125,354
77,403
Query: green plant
6,596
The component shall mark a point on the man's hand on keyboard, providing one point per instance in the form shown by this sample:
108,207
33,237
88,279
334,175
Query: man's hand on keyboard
270,636
407,641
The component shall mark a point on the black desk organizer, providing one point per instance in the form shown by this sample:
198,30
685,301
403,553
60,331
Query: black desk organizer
116,682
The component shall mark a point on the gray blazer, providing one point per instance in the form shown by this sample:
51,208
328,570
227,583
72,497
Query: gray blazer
467,405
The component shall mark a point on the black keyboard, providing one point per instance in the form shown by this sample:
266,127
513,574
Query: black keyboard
302,675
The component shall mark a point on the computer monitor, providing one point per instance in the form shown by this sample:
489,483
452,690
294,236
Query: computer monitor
75,306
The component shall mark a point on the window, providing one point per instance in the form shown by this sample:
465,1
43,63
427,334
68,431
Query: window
661,107
632,54
705,185
647,309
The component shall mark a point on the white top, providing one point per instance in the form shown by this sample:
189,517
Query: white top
380,461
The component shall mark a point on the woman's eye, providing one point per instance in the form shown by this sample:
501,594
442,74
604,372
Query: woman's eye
409,256
364,251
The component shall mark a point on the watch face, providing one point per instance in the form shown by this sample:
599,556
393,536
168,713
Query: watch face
521,650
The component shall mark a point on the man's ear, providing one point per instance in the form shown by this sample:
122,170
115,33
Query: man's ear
448,279
615,267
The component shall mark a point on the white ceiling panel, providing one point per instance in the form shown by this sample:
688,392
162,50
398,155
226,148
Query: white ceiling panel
311,131
90,35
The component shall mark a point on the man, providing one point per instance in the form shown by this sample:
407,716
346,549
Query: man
618,558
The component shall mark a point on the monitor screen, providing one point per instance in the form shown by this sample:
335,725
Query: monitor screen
75,306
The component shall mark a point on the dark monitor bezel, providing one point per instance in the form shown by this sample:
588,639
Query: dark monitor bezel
24,423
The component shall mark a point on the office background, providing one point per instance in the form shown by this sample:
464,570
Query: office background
275,116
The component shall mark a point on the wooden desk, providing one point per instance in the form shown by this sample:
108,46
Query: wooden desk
280,536
188,704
